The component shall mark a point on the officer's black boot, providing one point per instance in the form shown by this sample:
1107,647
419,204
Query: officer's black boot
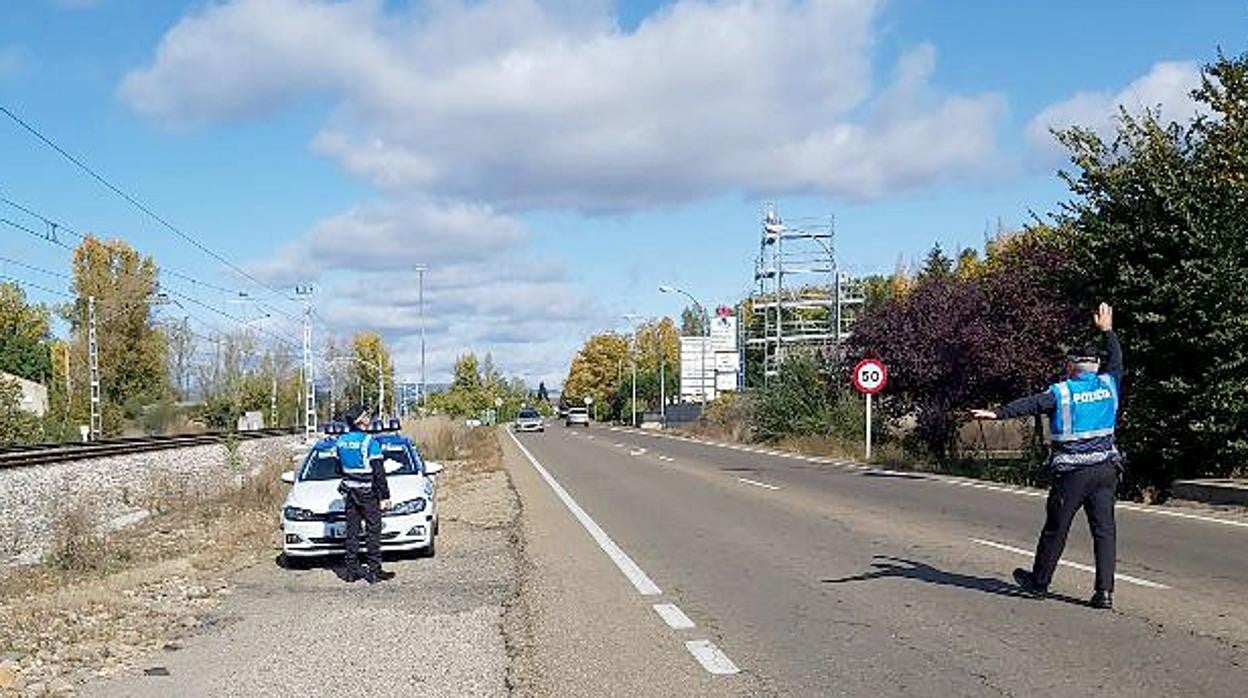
376,574
1102,599
1027,582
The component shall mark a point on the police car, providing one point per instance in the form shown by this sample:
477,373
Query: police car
313,522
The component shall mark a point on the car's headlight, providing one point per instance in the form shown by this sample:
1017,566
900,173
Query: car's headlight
411,506
297,514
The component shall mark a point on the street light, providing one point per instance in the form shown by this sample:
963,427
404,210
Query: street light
706,330
420,275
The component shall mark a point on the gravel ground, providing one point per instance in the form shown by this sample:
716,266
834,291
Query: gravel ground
436,629
118,489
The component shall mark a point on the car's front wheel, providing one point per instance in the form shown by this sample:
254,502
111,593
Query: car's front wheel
290,562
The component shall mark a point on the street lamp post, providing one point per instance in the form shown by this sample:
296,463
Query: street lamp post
420,304
706,333
632,407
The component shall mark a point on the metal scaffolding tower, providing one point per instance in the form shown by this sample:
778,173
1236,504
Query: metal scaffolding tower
803,298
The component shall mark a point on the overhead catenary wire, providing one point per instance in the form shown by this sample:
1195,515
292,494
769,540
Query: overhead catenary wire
134,201
54,226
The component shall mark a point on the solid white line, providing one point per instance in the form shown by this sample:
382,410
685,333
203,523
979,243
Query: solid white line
644,585
710,657
1182,515
1120,577
756,483
673,616
637,452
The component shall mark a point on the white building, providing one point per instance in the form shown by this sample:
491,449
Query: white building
34,397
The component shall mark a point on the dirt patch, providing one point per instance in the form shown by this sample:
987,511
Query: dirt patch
103,598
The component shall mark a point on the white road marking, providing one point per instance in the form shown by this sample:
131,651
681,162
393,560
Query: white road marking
637,452
619,445
590,437
673,616
1085,568
756,483
710,657
975,484
644,585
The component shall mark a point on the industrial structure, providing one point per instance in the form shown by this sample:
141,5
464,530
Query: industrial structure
801,299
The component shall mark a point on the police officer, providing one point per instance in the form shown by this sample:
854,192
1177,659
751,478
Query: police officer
1082,411
365,494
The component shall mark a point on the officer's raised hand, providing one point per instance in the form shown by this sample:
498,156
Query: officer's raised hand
983,414
385,505
1104,317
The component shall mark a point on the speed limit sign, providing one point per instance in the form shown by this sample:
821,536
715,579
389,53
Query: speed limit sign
870,376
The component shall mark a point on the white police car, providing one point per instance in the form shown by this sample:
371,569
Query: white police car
313,522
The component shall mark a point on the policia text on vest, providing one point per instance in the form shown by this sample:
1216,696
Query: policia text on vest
1082,412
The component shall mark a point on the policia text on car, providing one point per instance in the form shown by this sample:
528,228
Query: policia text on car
365,493
1082,411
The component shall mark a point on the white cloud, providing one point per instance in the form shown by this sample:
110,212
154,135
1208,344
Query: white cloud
527,104
395,235
523,105
1167,86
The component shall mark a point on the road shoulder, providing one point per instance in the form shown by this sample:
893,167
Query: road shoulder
585,629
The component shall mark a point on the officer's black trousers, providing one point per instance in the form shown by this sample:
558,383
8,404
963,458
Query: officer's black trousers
1091,488
360,503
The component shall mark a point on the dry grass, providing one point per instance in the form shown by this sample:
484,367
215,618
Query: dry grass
102,601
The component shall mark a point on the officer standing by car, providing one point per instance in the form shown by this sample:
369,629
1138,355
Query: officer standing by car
365,494
1082,411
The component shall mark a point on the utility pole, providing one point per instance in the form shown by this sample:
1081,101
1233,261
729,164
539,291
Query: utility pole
93,361
381,388
420,304
273,401
633,404
663,390
309,386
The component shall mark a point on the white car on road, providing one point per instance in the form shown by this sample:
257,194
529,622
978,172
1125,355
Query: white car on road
577,415
313,522
529,420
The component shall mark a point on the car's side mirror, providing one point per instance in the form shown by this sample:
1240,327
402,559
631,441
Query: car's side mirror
391,466
288,477
432,467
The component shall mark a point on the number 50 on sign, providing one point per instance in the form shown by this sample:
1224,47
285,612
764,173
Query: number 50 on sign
870,376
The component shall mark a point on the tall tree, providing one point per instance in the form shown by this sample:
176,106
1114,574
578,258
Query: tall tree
182,347
1159,228
132,349
597,369
371,354
692,322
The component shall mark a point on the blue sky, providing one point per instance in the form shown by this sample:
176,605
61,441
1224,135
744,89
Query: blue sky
554,162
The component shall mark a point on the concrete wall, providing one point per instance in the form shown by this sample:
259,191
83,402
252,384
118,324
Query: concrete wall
34,398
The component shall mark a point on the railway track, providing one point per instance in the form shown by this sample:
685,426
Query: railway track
39,454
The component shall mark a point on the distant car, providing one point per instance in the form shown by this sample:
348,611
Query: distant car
529,420
577,416
312,519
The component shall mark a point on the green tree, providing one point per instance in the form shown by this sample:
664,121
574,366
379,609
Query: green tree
132,348
1159,230
692,322
25,335
371,354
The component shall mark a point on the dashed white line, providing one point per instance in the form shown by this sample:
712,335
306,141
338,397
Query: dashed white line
673,616
639,579
637,452
1085,568
756,483
710,657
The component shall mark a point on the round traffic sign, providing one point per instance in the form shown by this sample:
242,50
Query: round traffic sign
870,376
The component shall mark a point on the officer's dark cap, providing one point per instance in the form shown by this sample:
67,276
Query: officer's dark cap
353,414
1084,355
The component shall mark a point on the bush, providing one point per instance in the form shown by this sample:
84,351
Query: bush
77,544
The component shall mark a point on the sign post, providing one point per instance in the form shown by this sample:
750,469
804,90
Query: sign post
870,377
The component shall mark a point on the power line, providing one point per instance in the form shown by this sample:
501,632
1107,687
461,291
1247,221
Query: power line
31,267
135,202
54,226
31,284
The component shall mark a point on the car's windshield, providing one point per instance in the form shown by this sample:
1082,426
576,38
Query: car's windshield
323,464
578,410
528,414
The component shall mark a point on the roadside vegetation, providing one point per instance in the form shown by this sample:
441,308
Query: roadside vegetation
1155,225
103,599
478,387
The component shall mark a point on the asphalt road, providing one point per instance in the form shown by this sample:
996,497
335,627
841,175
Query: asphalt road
821,578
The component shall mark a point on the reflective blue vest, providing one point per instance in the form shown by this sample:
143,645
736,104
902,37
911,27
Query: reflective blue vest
356,450
1082,425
